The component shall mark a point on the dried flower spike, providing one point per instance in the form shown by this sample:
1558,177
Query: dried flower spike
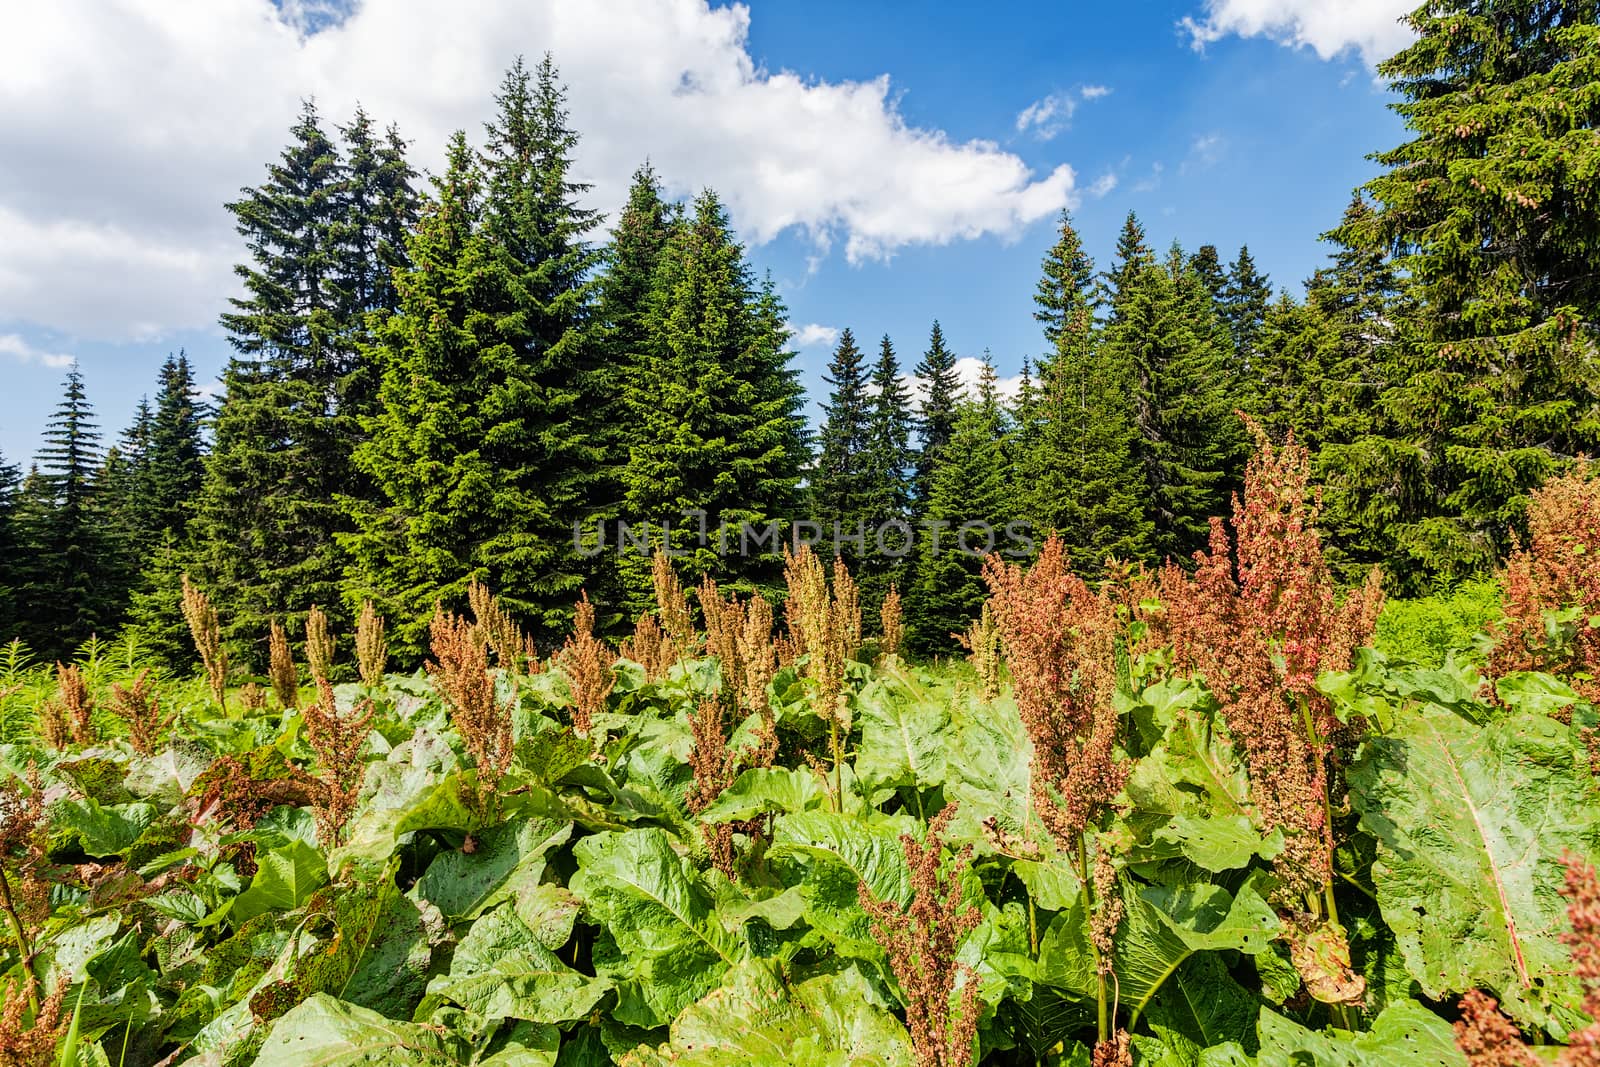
372,651
921,941
893,631
139,707
281,668
586,662
321,644
201,616
337,738
461,672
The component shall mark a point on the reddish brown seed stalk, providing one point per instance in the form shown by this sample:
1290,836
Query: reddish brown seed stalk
321,644
139,707
372,650
337,737
201,615
280,666
893,625
586,662
461,672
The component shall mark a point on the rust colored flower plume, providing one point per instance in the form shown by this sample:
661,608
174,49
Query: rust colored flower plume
372,650
1559,568
1261,640
460,670
201,615
139,707
321,644
1059,638
921,941
893,624
280,666
673,605
586,662
337,737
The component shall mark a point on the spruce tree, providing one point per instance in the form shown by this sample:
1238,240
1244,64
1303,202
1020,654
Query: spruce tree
1489,210
544,277
1079,477
969,486
888,480
716,409
1207,263
10,550
70,589
1132,256
840,490
937,415
267,517
174,458
1180,407
1244,304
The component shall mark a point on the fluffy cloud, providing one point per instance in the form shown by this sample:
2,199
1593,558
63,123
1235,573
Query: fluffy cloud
1328,27
14,346
1048,116
127,124
813,334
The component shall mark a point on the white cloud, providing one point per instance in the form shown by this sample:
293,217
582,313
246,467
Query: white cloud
812,334
1103,185
1205,151
1328,27
14,346
127,124
1048,116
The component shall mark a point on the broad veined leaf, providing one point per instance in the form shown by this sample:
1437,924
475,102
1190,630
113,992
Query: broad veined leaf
1201,1006
100,829
1471,822
501,971
285,878
326,1032
1403,1033
828,1021
990,778
1536,694
506,860
830,856
525,1045
764,791
903,736
1219,842
651,902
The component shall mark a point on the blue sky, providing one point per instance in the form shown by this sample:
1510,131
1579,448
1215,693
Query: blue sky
878,206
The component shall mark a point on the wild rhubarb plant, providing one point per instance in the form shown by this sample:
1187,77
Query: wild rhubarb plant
460,670
672,606
649,647
1261,640
24,878
982,642
68,716
321,644
513,649
739,635
824,629
281,669
139,706
372,650
892,624
716,764
1059,638
586,663
201,615
1552,587
940,993
31,1029
337,737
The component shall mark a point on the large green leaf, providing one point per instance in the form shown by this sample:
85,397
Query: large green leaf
325,1032
830,856
1201,1006
1471,822
828,1021
903,736
1404,1033
504,862
501,971
100,829
652,904
764,791
989,777
285,878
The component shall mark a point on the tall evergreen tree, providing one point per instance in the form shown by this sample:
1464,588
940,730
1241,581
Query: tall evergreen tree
1181,409
1132,256
174,466
267,517
969,485
716,408
1244,304
1079,478
888,479
1489,210
1207,263
69,591
10,550
840,488
937,416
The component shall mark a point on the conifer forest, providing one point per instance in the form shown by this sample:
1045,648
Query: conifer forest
504,668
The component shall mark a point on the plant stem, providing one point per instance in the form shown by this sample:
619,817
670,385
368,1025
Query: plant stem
1101,1021
21,936
838,763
